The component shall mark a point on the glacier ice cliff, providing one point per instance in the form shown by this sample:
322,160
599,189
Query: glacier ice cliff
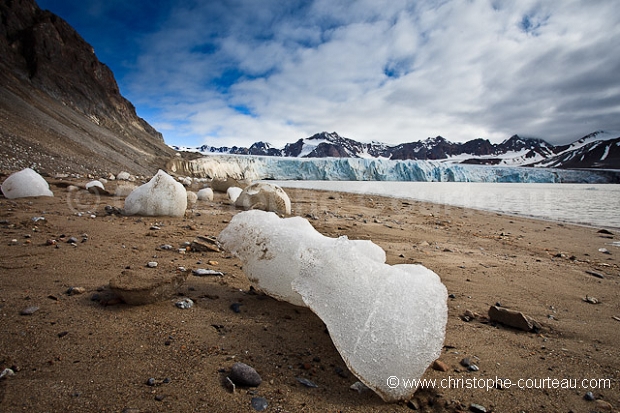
356,169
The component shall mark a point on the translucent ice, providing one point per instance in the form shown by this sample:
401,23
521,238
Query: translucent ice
386,321
264,196
25,183
161,196
271,249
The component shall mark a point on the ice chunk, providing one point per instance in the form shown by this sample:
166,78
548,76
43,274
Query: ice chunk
386,321
271,247
95,184
192,198
161,196
205,194
265,196
25,183
233,193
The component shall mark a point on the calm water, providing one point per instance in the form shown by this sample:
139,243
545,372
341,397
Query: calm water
596,205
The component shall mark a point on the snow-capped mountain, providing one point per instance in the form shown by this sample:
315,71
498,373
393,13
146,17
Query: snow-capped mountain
596,150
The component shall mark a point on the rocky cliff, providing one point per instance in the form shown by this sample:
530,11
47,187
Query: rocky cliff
60,107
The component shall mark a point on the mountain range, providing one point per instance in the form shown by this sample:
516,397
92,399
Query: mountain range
61,111
599,150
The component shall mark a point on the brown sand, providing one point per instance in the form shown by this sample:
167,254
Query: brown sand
83,355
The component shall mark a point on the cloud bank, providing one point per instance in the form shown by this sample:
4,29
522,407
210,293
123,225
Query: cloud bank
233,72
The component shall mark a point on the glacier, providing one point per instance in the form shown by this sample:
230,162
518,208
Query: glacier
366,169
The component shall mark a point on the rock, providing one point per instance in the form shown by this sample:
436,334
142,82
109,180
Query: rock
204,244
604,231
205,194
473,367
243,375
589,396
603,406
184,303
595,274
307,382
590,300
466,362
511,318
222,184
259,403
151,264
236,307
76,290
6,373
604,251
359,387
266,197
123,176
439,365
161,196
146,287
477,408
29,310
25,183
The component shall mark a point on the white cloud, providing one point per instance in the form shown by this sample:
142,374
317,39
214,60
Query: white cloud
388,71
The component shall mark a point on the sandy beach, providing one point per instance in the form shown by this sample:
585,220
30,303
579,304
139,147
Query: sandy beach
87,351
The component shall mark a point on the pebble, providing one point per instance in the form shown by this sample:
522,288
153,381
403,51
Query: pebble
76,290
306,382
236,307
359,387
184,303
29,310
243,375
439,365
477,408
589,396
72,240
165,247
152,264
596,274
259,403
591,300
6,373
466,362
604,251
473,367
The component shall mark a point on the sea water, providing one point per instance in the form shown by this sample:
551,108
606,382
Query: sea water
588,204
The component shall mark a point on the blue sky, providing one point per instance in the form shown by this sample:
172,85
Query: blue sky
233,72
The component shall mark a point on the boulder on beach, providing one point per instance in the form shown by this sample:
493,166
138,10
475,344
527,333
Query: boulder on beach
266,197
146,286
25,183
161,196
222,184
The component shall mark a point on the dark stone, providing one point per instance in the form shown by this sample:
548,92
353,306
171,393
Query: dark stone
259,403
511,318
243,375
477,408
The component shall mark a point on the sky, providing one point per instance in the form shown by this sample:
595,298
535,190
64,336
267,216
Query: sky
234,72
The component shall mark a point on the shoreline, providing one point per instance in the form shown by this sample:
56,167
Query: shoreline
77,353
